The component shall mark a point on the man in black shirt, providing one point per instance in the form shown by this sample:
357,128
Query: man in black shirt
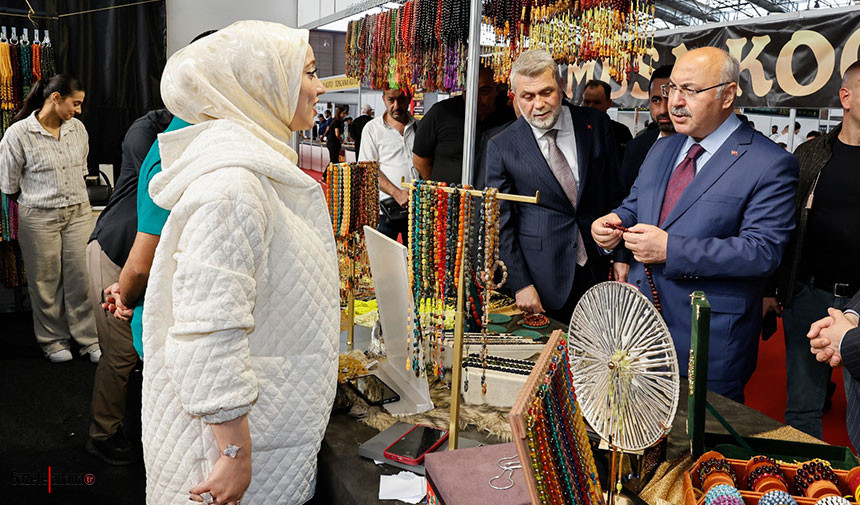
334,134
107,252
438,149
819,266
358,126
598,95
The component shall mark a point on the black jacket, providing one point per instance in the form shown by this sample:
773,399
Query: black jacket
634,155
117,224
812,156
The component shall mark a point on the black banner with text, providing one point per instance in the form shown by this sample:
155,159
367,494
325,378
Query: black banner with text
793,60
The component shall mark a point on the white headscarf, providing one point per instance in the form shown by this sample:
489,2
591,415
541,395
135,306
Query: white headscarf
249,72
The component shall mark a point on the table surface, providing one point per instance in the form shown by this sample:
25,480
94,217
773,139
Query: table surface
345,477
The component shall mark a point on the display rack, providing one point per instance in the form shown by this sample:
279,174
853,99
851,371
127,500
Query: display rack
459,314
571,461
352,195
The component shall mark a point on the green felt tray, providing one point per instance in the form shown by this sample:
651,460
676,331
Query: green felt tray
534,335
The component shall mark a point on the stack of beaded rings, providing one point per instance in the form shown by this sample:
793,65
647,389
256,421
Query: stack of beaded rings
723,494
716,471
854,483
816,479
764,474
777,498
833,500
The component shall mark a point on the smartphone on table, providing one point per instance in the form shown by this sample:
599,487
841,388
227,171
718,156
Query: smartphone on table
373,390
415,444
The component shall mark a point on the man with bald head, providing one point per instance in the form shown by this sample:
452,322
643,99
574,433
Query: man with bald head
711,210
818,271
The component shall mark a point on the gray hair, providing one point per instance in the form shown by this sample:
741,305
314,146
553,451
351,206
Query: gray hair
730,71
533,63
366,108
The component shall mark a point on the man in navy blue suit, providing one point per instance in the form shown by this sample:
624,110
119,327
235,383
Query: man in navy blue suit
711,210
835,340
568,154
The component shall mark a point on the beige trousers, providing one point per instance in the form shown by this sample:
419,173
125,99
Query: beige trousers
53,245
118,355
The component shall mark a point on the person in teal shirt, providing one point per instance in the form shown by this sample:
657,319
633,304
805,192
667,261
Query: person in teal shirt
150,220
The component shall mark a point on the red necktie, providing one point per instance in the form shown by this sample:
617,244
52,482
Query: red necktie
682,176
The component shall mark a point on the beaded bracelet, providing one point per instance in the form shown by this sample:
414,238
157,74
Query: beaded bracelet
722,490
716,471
767,478
833,500
777,498
816,479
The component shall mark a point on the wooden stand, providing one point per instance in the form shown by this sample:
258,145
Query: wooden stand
460,315
350,298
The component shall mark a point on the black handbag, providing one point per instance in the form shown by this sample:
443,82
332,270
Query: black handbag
392,210
99,194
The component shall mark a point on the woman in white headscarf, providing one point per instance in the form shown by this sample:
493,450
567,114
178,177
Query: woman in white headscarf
241,320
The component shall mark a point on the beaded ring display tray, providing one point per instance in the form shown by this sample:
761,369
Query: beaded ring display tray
694,496
519,430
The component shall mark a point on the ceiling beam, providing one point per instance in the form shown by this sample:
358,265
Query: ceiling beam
691,10
670,16
768,5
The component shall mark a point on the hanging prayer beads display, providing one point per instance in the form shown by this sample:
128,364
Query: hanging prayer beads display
550,435
441,232
422,44
352,194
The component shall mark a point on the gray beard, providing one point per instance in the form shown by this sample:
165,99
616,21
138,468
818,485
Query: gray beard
547,123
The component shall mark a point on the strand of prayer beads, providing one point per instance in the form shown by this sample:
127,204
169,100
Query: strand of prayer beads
441,237
351,193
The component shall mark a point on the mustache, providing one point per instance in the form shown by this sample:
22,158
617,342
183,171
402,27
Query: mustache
664,117
681,111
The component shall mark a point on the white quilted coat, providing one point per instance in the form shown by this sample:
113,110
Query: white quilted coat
241,315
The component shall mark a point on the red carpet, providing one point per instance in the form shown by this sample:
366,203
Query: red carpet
766,391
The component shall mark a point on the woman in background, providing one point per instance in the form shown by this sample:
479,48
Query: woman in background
43,162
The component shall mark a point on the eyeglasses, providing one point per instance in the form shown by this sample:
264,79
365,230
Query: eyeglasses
668,89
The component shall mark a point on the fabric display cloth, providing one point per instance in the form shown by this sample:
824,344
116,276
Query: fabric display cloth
21,65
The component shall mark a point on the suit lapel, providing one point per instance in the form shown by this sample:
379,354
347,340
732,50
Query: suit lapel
536,163
584,135
727,155
667,161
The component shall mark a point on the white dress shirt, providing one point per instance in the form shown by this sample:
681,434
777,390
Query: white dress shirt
711,143
380,142
565,140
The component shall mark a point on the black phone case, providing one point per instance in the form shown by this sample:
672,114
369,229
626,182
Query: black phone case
366,399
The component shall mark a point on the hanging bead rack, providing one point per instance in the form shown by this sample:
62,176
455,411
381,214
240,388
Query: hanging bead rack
423,43
352,195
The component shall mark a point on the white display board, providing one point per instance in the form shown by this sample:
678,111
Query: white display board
389,267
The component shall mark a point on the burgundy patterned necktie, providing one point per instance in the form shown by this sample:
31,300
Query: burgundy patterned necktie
682,176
